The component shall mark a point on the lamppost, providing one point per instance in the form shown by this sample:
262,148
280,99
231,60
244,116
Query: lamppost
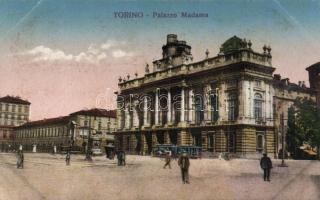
283,164
264,123
72,134
89,144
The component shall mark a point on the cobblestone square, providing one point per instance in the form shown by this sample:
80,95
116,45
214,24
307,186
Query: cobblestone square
46,176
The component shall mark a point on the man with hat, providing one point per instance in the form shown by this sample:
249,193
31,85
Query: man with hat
266,165
184,164
167,160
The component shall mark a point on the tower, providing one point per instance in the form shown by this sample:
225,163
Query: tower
314,79
175,52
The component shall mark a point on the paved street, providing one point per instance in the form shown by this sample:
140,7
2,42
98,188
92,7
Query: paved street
47,177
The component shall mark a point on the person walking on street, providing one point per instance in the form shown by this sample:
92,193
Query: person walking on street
20,159
123,158
167,160
119,157
266,165
184,164
68,157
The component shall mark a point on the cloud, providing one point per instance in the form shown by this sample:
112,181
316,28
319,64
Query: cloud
120,53
94,54
108,44
42,53
111,43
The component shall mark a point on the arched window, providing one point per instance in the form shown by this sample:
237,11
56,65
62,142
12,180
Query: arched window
199,106
260,142
258,106
232,106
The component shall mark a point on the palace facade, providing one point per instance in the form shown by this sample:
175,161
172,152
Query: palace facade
72,130
231,102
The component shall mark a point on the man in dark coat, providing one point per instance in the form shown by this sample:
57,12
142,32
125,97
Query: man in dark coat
167,160
119,157
123,158
184,164
20,160
68,157
266,165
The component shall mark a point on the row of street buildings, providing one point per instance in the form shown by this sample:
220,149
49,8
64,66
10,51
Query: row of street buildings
53,134
231,102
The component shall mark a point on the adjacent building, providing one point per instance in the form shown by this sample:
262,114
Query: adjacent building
227,103
72,130
14,111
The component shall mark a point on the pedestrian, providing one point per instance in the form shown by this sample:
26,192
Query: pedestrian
184,164
123,158
167,160
119,157
266,165
20,159
68,157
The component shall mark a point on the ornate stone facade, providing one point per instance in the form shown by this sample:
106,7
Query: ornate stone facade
227,103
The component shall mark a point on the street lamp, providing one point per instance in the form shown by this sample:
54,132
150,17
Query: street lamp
89,144
283,164
72,133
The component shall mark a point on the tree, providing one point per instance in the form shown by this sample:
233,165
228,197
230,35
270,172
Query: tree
294,137
307,122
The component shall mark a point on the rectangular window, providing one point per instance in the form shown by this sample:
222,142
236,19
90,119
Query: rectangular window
214,101
211,142
257,109
231,83
26,109
99,125
231,141
257,83
231,113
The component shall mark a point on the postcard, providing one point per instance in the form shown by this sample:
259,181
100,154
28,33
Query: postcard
159,100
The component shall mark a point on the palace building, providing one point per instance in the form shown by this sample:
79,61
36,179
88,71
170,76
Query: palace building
14,111
72,130
231,102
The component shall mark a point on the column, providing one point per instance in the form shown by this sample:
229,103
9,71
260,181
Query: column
127,118
119,118
182,113
157,107
169,113
190,107
144,146
184,138
133,143
206,103
145,112
154,139
167,137
135,117
209,107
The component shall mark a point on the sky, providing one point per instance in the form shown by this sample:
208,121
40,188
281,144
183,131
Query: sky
67,55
